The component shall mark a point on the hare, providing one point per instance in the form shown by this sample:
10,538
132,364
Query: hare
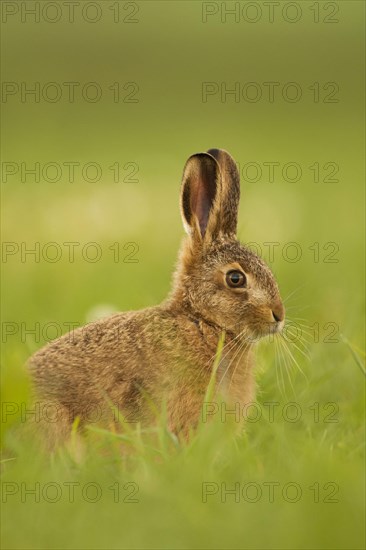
137,359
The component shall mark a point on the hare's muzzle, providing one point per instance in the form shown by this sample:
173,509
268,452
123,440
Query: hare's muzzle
278,316
278,312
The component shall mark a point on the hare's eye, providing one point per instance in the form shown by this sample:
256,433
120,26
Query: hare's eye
236,279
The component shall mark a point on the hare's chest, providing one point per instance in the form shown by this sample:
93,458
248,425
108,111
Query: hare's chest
235,378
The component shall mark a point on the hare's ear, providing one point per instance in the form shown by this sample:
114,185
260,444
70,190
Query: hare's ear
230,191
201,188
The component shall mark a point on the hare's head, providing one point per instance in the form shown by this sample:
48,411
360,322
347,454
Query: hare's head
218,279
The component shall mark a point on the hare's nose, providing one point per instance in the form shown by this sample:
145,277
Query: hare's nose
278,313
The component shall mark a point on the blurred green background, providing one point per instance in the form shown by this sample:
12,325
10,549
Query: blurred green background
168,50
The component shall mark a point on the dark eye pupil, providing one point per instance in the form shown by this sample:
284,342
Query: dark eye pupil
235,278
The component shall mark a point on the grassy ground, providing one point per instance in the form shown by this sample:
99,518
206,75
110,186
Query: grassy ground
295,478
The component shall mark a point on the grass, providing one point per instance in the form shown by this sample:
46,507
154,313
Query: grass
283,483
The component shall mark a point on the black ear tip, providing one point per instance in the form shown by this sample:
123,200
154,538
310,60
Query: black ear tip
214,153
224,160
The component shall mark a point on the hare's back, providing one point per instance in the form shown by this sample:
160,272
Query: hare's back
97,354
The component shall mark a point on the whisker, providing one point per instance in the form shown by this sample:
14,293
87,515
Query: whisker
304,353
285,364
293,292
279,354
230,346
288,336
276,361
243,348
297,308
293,358
302,326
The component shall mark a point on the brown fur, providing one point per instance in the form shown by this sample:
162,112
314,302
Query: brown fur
135,360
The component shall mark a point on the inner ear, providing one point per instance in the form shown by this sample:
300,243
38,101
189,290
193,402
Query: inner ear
203,193
200,188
